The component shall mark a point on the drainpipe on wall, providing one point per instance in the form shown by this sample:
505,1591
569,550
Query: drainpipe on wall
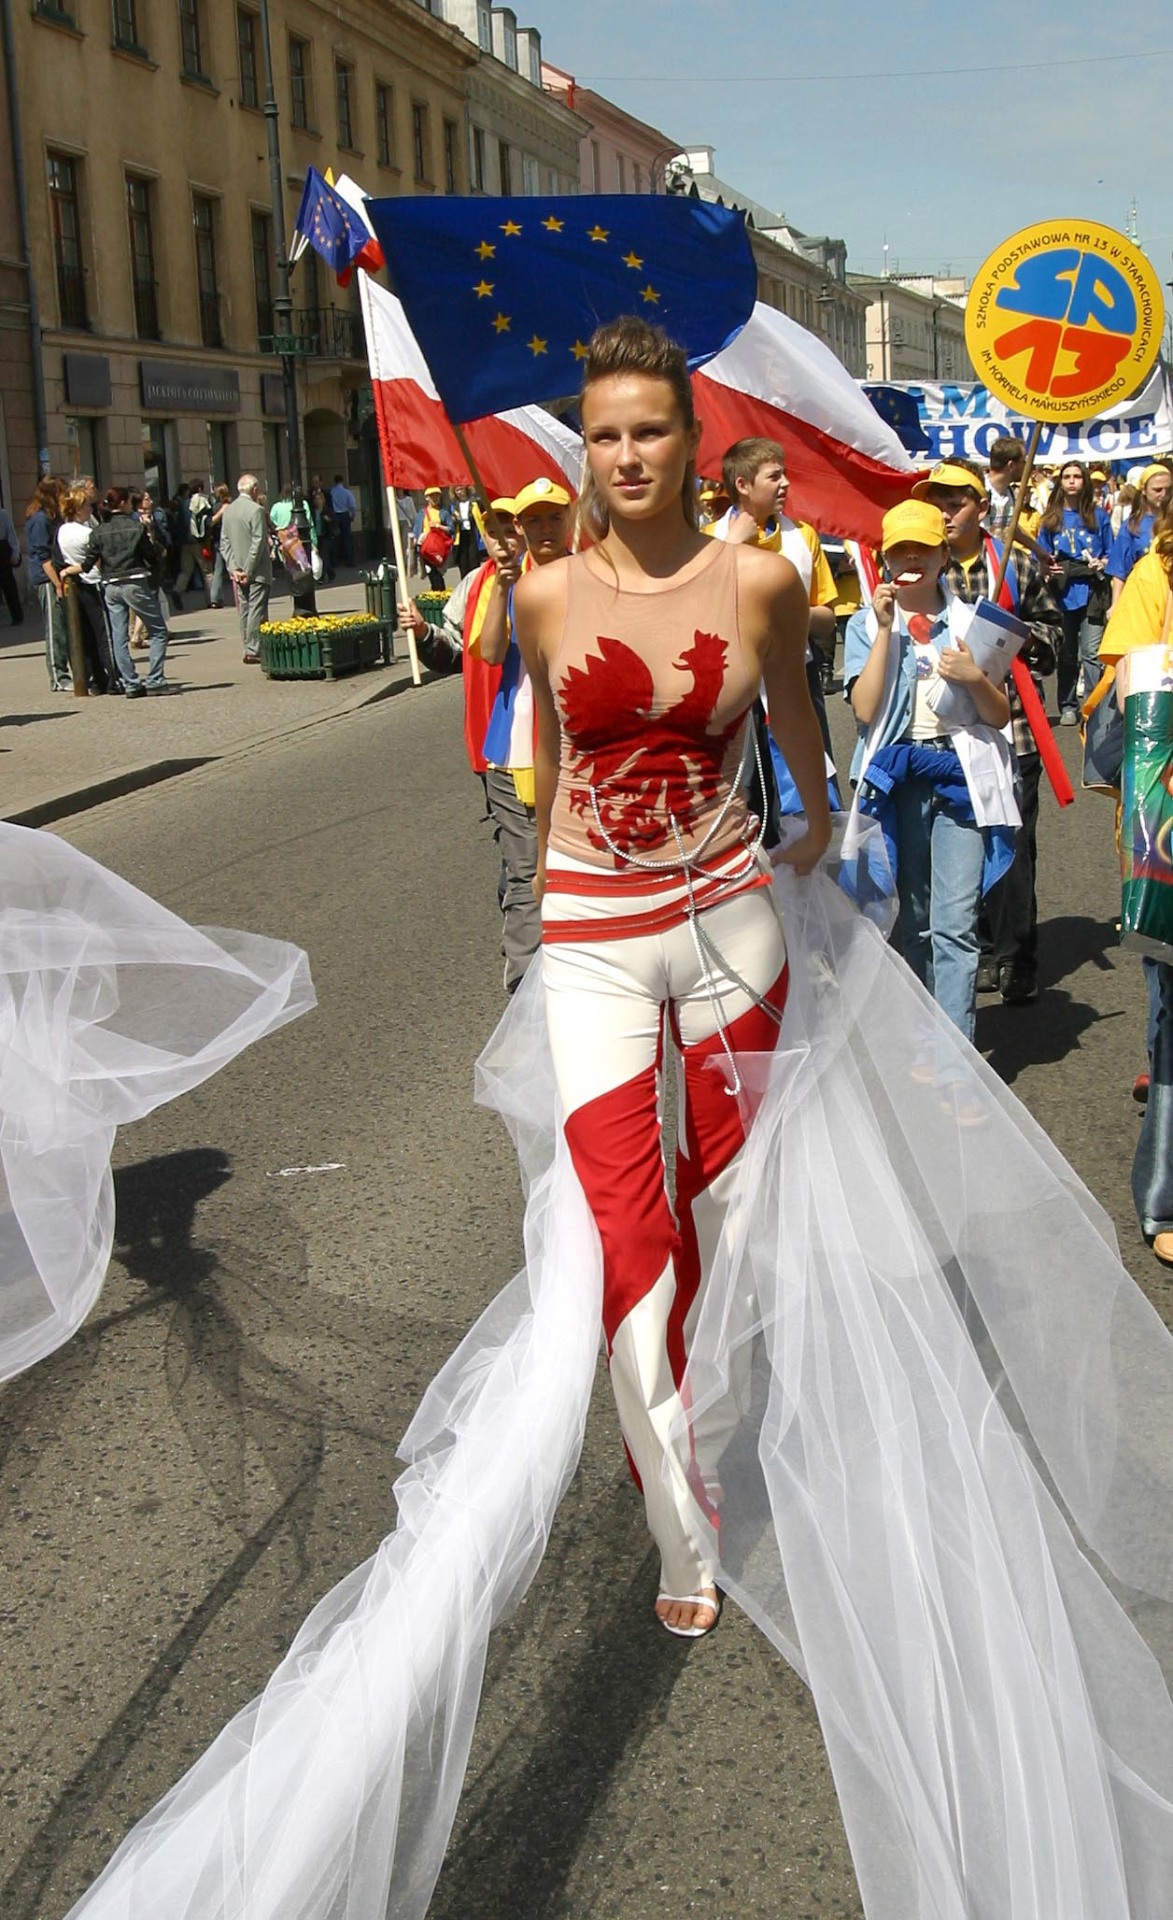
40,414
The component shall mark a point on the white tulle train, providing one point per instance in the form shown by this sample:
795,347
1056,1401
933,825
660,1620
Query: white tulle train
109,1006
946,1499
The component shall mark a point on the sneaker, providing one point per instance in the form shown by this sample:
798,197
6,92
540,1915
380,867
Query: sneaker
137,692
1069,717
1018,985
164,686
987,974
251,659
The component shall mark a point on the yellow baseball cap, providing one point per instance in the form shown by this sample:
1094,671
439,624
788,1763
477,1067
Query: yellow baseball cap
914,520
503,505
429,491
1158,470
542,492
947,474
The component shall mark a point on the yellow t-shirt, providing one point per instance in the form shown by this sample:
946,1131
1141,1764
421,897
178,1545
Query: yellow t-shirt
822,590
1139,614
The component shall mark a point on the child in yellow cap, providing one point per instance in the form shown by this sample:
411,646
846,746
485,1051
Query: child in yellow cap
942,790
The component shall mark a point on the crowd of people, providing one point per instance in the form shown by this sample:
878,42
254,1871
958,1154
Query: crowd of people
131,558
955,791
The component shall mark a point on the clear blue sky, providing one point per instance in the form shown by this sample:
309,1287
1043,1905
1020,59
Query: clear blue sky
944,164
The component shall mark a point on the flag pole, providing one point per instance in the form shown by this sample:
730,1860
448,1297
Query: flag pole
1019,504
401,576
1032,706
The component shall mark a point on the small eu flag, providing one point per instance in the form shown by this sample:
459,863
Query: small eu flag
898,407
331,227
504,294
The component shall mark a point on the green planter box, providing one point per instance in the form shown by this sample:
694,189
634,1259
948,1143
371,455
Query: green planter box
314,652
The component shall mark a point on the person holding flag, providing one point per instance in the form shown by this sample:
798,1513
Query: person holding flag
453,645
542,518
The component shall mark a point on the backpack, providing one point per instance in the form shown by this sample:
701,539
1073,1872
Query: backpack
200,517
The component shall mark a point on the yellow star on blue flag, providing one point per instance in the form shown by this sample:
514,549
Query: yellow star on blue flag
513,333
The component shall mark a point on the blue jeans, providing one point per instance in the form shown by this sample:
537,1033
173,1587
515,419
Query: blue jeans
124,597
1152,1166
939,880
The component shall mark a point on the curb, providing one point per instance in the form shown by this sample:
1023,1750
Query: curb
95,793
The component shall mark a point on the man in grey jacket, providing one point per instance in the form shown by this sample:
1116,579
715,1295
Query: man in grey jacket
244,543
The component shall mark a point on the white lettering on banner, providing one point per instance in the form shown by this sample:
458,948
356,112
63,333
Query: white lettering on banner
962,420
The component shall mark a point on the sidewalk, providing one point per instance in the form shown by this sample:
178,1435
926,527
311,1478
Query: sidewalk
59,754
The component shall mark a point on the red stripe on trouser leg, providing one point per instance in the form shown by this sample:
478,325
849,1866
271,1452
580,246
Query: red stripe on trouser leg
713,1135
614,1143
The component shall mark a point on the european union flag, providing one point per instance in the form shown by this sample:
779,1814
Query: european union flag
898,407
503,294
332,228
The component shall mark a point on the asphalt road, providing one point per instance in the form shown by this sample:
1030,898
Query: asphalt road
217,1446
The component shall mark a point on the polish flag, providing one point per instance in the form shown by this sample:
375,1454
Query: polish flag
417,443
846,465
369,257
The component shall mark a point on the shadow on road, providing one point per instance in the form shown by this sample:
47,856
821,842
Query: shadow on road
1073,941
529,1806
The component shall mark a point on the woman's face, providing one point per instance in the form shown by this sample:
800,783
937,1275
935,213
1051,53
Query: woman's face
1157,491
147,503
1071,481
637,444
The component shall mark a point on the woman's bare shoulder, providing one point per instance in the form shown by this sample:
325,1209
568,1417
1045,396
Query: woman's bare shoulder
543,588
764,576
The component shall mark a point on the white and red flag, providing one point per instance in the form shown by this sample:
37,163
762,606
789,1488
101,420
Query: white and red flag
846,465
416,440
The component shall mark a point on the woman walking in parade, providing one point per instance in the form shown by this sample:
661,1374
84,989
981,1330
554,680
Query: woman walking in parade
1078,534
646,654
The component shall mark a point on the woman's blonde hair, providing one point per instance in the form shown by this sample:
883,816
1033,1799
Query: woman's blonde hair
1163,538
631,345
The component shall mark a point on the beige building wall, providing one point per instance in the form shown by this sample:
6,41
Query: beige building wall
135,111
618,153
913,333
18,434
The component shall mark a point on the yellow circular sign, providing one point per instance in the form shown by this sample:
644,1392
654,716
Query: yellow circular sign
1064,320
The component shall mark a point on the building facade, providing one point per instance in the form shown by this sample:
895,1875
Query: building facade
618,152
803,276
150,216
915,327
19,433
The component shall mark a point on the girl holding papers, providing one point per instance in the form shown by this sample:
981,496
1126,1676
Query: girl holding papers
935,769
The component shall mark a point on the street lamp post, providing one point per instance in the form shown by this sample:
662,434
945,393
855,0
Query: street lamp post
283,302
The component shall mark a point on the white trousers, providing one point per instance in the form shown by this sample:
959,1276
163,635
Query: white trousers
608,1002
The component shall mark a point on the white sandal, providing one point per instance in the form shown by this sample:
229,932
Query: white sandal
690,1600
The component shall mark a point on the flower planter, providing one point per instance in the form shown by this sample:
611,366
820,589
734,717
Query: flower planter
319,649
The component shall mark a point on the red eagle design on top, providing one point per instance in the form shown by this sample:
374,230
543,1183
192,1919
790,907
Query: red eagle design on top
643,765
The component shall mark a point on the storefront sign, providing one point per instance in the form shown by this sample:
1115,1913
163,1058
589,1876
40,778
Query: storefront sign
87,379
1064,320
170,387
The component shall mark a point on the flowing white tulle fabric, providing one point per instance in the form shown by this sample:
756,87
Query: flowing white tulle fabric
109,1006
946,1500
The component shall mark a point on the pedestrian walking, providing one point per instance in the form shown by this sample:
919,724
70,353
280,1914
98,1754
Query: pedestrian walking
1154,488
73,535
219,586
466,551
432,536
293,524
126,550
343,507
10,559
244,542
42,519
192,513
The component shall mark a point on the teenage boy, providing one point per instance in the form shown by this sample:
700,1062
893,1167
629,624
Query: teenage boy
542,518
753,474
1010,933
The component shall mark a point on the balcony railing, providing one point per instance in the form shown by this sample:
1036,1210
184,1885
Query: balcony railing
319,333
146,310
71,294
